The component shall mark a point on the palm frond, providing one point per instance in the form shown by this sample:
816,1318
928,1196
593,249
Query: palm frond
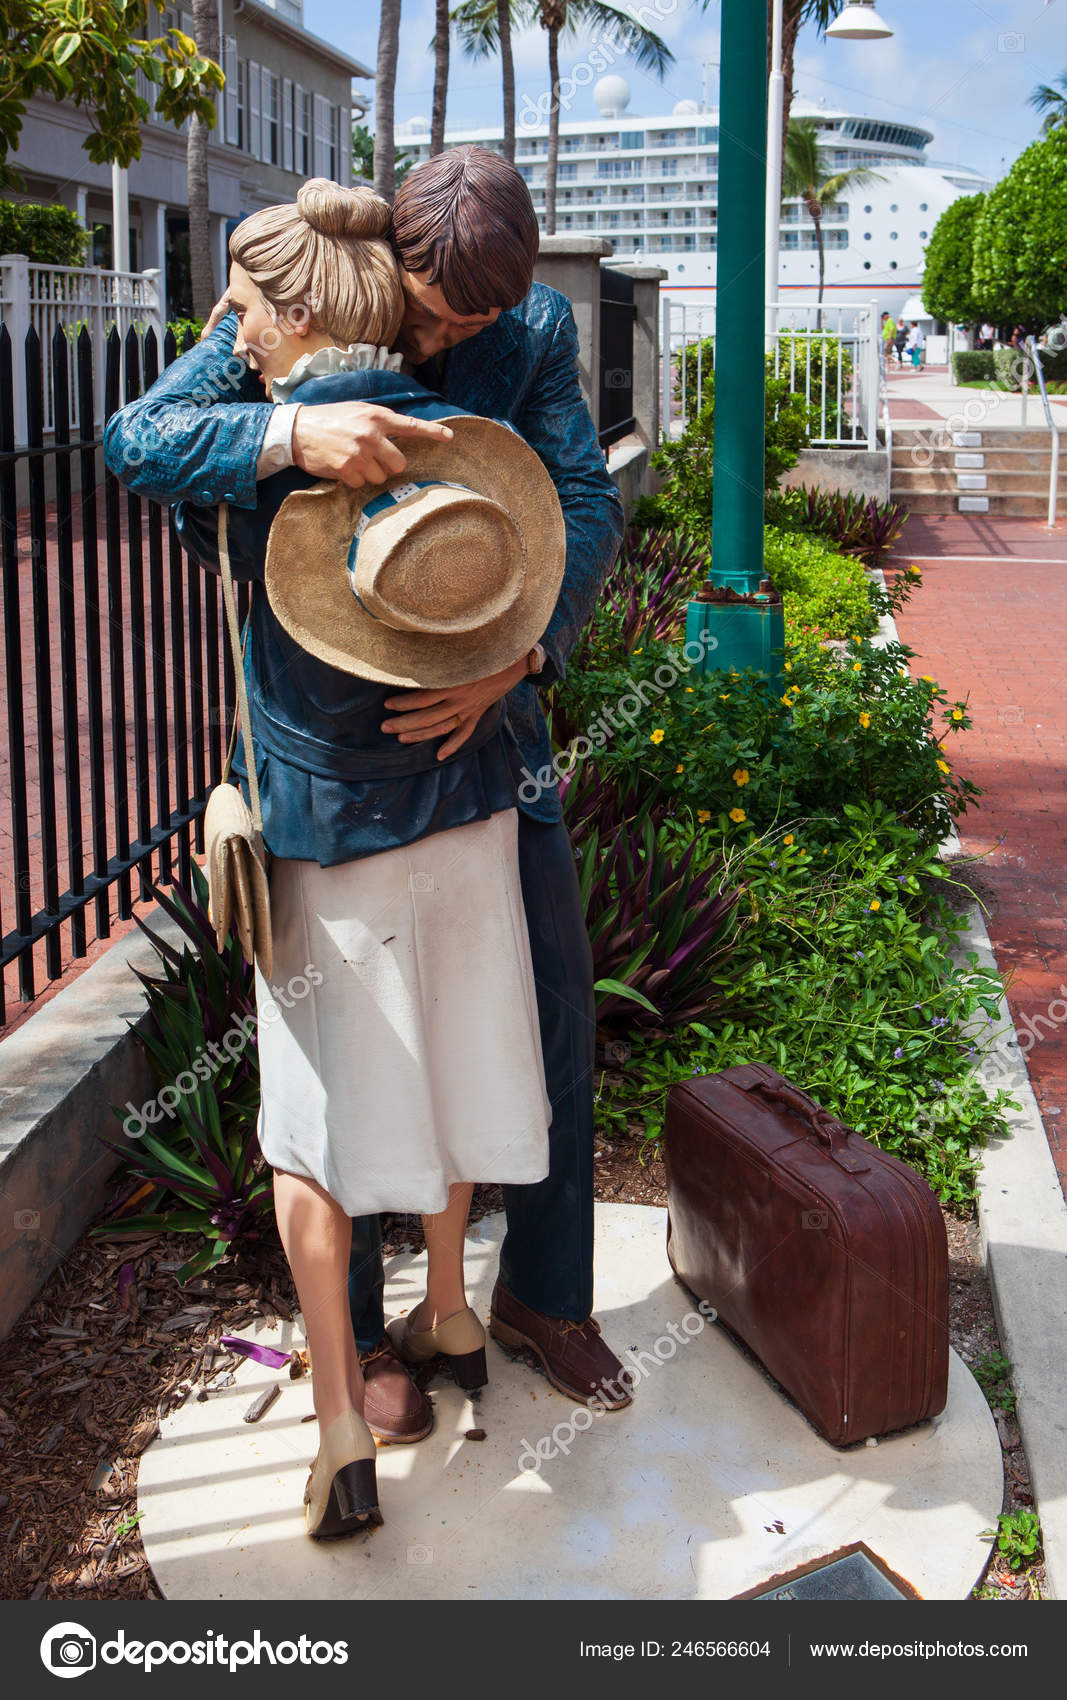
648,50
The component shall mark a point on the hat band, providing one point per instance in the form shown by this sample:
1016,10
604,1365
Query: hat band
399,493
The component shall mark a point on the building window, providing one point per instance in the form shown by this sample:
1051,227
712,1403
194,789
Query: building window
272,142
669,167
568,171
324,136
632,139
287,124
242,104
231,97
708,136
255,134
302,129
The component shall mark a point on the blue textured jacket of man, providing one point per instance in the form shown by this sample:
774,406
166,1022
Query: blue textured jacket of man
177,443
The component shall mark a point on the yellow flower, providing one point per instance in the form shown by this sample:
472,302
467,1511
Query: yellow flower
926,679
724,698
957,714
903,672
639,651
658,735
740,776
914,571
857,666
826,850
703,816
787,700
865,720
789,666
789,838
689,690
875,905
679,768
943,765
738,815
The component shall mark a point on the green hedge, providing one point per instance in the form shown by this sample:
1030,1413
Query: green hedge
972,365
51,236
822,589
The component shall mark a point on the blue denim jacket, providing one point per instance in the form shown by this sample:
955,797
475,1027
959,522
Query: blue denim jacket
180,441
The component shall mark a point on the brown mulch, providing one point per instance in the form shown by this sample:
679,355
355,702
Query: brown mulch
87,1376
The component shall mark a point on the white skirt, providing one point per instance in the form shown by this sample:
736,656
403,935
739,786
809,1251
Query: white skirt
399,1046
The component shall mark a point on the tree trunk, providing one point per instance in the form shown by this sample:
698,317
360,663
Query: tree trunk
440,78
384,93
507,75
552,164
202,272
790,30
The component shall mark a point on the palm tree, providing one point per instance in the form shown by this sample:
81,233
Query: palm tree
384,95
206,34
441,45
648,51
484,27
1052,101
479,23
804,178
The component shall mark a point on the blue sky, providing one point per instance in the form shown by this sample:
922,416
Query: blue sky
962,68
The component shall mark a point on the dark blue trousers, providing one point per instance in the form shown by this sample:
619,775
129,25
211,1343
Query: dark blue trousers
546,1259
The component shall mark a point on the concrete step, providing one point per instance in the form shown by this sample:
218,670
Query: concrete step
1021,483
917,458
939,436
976,501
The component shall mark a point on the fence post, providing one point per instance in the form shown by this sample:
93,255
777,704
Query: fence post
646,281
15,294
874,373
153,314
571,264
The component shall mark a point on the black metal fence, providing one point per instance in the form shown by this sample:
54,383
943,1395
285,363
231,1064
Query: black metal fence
118,692
617,316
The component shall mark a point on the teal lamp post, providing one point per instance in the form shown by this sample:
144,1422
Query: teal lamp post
740,633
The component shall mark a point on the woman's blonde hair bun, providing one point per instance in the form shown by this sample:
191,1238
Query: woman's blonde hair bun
355,214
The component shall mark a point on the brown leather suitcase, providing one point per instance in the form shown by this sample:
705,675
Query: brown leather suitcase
827,1257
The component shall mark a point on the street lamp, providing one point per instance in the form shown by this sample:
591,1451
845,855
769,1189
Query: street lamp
859,22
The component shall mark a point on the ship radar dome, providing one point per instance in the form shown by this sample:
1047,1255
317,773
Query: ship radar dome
612,95
686,109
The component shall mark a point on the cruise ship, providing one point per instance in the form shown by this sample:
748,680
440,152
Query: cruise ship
650,185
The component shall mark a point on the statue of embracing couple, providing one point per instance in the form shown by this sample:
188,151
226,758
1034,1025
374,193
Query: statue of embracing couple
407,605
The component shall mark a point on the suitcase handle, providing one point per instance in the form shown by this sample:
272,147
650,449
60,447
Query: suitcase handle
754,1076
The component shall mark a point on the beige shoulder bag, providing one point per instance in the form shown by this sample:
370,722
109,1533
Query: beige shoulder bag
237,858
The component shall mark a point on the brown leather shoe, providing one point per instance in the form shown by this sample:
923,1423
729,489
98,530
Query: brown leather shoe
394,1409
575,1358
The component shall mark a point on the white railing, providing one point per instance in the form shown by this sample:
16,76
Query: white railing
1054,471
830,354
49,298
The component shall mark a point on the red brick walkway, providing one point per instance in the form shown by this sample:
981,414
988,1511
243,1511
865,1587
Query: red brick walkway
990,623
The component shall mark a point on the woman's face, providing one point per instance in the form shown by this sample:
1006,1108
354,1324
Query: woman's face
269,342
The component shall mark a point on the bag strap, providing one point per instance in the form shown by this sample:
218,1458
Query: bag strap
239,669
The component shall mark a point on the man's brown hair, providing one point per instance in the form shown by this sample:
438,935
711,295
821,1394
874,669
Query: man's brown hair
466,218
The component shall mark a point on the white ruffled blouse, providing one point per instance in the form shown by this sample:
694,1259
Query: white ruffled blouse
322,362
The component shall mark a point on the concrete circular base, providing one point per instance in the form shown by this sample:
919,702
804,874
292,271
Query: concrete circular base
706,1486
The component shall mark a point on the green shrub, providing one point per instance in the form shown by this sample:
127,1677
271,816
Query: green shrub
823,590
857,525
851,727
841,980
51,236
972,364
685,503
183,328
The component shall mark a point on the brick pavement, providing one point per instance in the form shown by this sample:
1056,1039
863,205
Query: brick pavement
990,623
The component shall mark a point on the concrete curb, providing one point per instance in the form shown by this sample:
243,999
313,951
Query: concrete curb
59,1075
1022,1216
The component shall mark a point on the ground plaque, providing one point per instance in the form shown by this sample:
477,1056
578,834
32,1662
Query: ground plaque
854,1573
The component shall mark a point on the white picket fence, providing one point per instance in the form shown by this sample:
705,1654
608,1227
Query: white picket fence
830,355
47,298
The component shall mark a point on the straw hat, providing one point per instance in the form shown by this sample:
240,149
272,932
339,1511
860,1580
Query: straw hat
447,573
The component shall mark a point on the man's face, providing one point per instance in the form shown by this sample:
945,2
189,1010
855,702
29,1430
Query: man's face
430,325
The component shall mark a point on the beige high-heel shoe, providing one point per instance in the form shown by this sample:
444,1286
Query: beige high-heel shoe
459,1338
342,1491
